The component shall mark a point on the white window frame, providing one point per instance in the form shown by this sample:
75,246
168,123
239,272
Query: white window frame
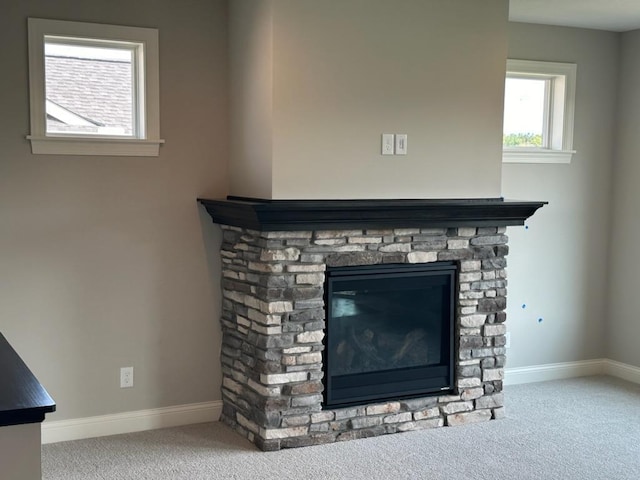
146,141
559,112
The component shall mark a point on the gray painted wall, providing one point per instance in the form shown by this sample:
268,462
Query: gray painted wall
107,262
623,322
558,267
344,72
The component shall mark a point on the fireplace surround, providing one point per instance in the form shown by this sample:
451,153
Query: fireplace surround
275,256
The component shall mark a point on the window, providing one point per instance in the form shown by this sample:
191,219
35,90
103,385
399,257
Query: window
538,112
94,89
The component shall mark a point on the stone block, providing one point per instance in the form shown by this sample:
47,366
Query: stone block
470,266
295,350
490,401
309,358
312,257
469,371
266,267
430,242
280,378
426,413
283,235
362,433
391,407
422,257
265,319
491,275
354,258
272,433
396,247
305,268
457,244
421,425
489,240
418,403
495,329
307,315
306,388
310,337
310,278
365,240
337,233
471,321
492,374
275,330
280,255
365,422
449,255
468,383
468,417
322,417
488,362
398,418
330,241
467,341
456,407
246,423
472,394
306,400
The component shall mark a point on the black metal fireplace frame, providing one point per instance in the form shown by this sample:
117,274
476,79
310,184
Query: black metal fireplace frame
427,380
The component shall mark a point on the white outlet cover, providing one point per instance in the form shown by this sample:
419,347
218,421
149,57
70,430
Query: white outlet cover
388,144
126,377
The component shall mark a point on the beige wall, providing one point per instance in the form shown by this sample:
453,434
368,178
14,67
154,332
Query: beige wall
558,267
344,72
623,322
251,74
107,262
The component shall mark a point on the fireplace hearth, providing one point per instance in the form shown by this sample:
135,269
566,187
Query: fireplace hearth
280,259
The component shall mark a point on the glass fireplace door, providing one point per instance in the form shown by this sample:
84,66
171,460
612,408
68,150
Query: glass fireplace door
389,332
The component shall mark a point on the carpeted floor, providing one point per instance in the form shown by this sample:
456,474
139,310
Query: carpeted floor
583,428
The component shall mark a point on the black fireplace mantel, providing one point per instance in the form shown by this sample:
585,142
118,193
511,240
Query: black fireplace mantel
290,215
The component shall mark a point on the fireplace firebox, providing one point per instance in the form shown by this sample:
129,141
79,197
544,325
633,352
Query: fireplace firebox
390,332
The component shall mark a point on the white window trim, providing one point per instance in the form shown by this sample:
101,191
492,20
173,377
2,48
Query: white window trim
147,145
561,115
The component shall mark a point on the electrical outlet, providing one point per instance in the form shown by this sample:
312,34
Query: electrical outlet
507,340
126,377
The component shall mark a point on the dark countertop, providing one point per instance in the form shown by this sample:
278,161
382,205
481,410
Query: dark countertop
22,398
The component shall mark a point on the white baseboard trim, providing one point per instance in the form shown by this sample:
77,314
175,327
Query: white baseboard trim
127,422
622,370
553,371
137,421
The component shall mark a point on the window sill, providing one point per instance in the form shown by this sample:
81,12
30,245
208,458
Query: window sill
537,156
94,146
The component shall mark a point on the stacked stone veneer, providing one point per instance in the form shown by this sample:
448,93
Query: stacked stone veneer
273,322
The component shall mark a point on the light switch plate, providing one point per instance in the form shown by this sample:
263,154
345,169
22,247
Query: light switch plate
401,143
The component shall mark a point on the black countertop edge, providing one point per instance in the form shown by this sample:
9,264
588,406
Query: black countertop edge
289,215
22,398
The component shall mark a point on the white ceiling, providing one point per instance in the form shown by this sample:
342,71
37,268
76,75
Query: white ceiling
613,15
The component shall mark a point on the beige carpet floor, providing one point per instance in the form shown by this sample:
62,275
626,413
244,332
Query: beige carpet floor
584,428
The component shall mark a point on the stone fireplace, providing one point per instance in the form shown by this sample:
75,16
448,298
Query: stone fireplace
275,259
